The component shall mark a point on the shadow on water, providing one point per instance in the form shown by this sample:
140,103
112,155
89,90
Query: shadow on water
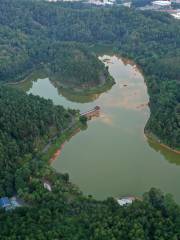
169,155
73,96
68,94
29,81
118,158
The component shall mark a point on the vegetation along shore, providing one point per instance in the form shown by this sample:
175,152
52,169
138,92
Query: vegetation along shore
56,37
150,39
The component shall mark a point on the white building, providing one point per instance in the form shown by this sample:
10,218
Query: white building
47,186
176,15
101,3
125,201
161,4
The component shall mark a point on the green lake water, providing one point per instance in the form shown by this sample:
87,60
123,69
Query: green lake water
113,157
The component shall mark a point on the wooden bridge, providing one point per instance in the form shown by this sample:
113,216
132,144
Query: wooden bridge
92,112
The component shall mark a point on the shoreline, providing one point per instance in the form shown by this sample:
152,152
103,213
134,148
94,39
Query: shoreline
154,139
57,145
98,90
87,91
58,151
70,89
27,77
56,154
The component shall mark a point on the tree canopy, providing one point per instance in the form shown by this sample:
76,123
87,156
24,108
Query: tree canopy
27,123
57,36
34,33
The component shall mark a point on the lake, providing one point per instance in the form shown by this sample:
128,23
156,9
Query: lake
112,157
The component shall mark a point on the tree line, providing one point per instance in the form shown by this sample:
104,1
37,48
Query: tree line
27,123
32,32
35,33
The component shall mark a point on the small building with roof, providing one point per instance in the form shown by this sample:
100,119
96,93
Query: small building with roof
9,203
162,4
126,201
47,185
15,203
5,203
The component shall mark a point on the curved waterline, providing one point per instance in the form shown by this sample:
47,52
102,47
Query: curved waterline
113,157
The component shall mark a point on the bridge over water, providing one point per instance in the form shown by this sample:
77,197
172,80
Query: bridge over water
94,112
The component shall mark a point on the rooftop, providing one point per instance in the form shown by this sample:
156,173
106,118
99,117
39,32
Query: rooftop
10,203
4,202
125,201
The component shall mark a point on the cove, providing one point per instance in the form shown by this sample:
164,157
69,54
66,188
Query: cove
113,157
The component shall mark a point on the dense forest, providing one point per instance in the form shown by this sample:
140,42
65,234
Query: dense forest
73,66
31,31
26,125
70,64
35,34
64,213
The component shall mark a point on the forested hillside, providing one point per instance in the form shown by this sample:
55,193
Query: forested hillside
57,37
26,125
72,65
29,30
64,213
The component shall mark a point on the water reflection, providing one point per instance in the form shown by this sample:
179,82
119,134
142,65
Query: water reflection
129,95
170,156
69,94
118,157
74,96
